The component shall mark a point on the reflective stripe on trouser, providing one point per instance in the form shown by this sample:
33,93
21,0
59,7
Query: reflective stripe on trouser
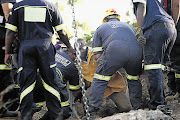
177,75
28,53
159,43
135,91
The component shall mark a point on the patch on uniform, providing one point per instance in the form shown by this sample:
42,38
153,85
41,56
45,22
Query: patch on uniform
34,14
65,62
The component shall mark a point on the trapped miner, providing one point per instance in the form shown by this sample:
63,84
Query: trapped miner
34,21
115,46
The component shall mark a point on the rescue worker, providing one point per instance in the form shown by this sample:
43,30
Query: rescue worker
68,72
160,33
173,70
113,46
34,22
5,72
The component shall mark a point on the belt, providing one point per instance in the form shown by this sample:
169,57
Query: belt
164,24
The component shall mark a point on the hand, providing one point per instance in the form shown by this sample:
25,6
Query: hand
72,53
140,37
8,60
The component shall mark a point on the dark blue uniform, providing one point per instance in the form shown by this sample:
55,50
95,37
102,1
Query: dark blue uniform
160,34
34,21
119,48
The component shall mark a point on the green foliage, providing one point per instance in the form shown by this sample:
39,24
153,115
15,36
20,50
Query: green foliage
89,38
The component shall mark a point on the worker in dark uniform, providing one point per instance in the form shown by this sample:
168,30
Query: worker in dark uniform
68,72
173,69
5,72
34,22
115,46
160,33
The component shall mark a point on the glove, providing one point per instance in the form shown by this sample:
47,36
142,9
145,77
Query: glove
140,37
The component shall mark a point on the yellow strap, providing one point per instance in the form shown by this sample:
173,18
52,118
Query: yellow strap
4,67
153,66
73,87
40,104
66,103
130,77
97,49
102,77
20,69
11,27
51,66
51,90
27,91
177,75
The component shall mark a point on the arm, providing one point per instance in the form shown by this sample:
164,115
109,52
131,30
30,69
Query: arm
6,9
175,8
141,12
8,42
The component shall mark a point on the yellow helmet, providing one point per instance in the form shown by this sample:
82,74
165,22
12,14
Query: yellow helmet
111,12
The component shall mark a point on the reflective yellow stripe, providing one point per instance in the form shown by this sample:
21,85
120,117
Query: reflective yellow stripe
51,66
72,87
40,104
4,67
17,86
177,75
102,77
59,73
130,77
153,66
162,67
51,90
33,6
11,27
27,91
59,27
64,103
97,49
20,69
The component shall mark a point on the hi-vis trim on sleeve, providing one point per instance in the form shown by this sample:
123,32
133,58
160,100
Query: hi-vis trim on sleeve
51,90
72,87
153,66
11,27
20,69
130,77
61,27
66,103
102,77
59,73
4,67
97,49
139,1
27,91
177,75
51,66
41,104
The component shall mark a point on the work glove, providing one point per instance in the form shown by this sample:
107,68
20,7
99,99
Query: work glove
140,37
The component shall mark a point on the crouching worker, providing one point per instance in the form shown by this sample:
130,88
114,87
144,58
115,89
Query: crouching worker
115,46
34,22
116,88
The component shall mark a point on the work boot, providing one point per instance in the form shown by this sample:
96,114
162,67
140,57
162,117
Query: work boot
8,113
93,114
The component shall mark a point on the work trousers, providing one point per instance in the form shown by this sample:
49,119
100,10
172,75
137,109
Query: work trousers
160,39
118,54
174,76
34,54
